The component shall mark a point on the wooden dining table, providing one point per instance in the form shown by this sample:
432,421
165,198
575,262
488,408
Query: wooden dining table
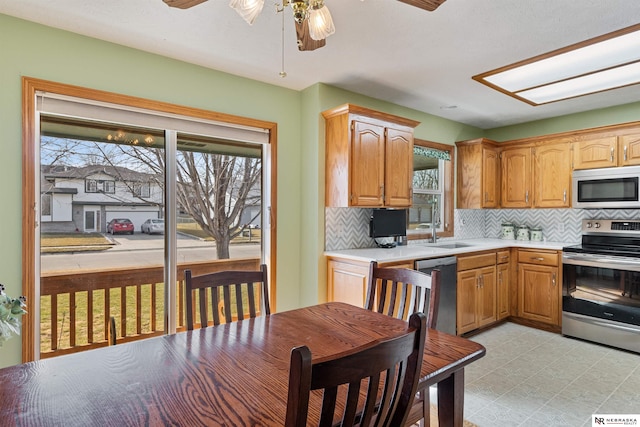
229,375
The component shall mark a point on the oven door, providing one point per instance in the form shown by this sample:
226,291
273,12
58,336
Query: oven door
604,287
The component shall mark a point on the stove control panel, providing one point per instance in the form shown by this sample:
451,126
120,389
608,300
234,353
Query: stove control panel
594,226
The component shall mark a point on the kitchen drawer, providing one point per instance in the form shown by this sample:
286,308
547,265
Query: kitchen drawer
502,257
476,261
538,257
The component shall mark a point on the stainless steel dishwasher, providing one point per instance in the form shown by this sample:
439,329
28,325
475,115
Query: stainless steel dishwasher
446,321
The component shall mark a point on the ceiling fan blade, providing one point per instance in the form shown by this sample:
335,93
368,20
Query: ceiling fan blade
305,42
183,4
429,5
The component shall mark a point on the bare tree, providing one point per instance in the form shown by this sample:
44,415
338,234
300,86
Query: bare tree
214,189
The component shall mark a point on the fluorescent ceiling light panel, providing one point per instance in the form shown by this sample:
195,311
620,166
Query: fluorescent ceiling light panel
602,63
591,83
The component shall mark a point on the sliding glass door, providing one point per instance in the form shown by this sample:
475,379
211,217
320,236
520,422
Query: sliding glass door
124,208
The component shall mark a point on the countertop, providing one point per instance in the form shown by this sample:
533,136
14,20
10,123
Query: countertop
429,250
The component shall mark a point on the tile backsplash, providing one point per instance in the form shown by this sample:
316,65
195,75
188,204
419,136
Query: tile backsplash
348,228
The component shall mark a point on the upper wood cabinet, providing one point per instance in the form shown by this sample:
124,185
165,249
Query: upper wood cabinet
629,146
552,176
595,153
517,178
478,174
607,151
369,158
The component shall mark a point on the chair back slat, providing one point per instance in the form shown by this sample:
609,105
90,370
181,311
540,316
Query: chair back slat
215,309
400,292
252,300
388,369
229,293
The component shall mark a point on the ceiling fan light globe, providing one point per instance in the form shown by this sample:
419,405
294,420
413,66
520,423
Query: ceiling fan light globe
320,23
247,9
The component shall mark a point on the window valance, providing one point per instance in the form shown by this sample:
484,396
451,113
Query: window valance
431,153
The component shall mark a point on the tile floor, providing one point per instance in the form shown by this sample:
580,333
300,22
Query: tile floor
536,378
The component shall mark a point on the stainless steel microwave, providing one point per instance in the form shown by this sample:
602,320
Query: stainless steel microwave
607,188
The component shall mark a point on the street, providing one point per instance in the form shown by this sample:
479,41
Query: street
140,250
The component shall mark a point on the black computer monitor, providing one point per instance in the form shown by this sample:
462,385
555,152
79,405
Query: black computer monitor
388,223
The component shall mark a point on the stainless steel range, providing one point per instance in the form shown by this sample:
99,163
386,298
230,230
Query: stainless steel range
601,284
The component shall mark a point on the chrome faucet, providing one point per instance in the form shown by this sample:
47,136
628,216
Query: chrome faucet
434,237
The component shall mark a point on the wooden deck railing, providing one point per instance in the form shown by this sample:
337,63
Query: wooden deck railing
75,307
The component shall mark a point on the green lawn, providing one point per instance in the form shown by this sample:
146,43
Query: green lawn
63,320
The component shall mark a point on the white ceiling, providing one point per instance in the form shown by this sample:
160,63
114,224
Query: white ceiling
382,48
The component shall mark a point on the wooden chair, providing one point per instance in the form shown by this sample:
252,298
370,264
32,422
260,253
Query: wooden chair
111,333
242,282
371,385
400,292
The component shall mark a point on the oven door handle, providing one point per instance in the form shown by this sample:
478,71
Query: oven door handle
602,262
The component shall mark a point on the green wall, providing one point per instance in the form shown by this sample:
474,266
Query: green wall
589,119
37,51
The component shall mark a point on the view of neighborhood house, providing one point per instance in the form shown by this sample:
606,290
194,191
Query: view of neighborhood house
99,183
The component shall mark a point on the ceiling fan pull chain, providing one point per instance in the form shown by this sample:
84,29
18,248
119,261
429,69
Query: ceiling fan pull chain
283,73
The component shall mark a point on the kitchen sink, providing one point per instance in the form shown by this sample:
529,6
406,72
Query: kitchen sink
452,245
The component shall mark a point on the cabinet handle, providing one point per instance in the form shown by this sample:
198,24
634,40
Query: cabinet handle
564,196
625,153
486,196
537,259
382,191
500,277
553,280
526,196
478,282
612,151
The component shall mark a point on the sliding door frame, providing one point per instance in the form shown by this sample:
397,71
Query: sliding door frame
30,87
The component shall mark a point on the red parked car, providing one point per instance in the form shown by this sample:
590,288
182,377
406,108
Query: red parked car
120,225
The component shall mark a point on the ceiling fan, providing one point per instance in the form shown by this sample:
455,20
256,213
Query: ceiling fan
312,19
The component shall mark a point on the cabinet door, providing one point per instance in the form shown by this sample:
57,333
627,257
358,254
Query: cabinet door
552,176
502,291
467,319
487,296
367,164
629,146
490,177
347,282
516,178
595,153
538,295
398,168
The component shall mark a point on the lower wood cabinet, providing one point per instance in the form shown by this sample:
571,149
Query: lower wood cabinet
476,297
503,287
347,280
488,288
539,286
